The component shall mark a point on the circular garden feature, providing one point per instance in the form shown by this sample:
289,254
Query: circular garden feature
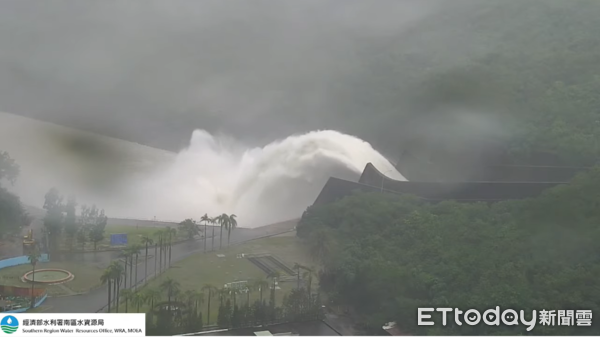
48,276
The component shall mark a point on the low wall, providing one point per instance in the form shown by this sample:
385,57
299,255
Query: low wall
19,260
38,301
23,291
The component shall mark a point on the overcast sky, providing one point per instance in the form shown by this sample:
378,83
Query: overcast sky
153,71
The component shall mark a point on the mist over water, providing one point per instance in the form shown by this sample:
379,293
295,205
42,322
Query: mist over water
214,174
261,185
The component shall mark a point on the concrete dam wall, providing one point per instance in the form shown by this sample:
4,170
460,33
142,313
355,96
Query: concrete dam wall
372,180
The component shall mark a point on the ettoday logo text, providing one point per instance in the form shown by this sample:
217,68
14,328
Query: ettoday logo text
496,317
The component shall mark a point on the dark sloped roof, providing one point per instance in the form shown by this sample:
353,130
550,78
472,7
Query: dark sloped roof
374,181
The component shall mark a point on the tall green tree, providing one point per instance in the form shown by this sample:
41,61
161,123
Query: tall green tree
117,272
210,290
213,221
261,284
231,225
170,287
189,227
9,169
12,214
53,204
205,219
152,296
223,221
146,241
137,300
172,233
70,224
106,278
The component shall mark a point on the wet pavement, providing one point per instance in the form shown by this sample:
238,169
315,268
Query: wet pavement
97,299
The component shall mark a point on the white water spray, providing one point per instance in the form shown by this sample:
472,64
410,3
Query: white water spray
260,185
213,175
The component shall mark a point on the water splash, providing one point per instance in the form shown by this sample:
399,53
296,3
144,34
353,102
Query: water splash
213,175
261,185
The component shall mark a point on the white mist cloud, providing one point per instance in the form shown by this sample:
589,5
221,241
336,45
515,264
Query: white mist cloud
214,174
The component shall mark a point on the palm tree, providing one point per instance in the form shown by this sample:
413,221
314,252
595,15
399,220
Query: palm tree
117,272
34,257
273,276
125,254
151,296
146,241
129,252
127,296
248,290
137,299
261,284
171,287
156,245
205,219
231,225
223,222
188,297
135,252
213,221
211,290
160,243
233,292
297,268
106,278
222,292
172,234
198,299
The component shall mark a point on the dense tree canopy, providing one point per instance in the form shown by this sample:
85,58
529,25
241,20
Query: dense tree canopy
387,255
521,72
12,214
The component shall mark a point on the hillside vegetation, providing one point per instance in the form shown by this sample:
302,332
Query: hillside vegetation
522,73
385,256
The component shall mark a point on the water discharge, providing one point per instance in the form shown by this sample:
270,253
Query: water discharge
214,174
261,185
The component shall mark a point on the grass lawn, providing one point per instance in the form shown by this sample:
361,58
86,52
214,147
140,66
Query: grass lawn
197,270
134,235
87,277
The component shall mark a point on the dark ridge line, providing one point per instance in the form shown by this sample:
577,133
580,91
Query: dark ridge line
372,180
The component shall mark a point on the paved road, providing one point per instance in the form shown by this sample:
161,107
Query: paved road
98,298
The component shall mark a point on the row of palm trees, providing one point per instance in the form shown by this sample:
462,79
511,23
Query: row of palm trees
181,313
116,275
118,272
227,222
170,290
162,240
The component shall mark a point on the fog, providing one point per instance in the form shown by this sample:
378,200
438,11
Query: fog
214,174
233,88
154,71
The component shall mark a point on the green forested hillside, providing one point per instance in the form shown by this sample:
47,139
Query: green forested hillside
522,72
385,256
